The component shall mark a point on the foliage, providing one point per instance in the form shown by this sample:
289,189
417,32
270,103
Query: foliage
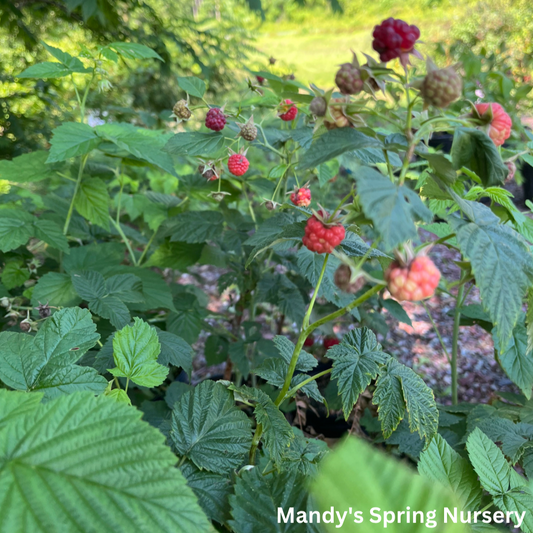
93,230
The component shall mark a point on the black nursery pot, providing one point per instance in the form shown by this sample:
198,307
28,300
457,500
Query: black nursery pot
443,141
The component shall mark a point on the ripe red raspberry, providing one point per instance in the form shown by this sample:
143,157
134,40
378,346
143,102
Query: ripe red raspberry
301,197
238,164
330,341
288,111
309,341
215,119
394,37
499,129
321,238
348,79
260,80
415,281
441,87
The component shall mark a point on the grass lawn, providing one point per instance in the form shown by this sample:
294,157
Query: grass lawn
314,47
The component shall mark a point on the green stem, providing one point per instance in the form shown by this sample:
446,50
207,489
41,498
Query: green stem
341,203
76,187
127,385
147,247
250,207
455,344
307,316
437,332
294,390
266,144
126,241
119,206
356,303
255,443
389,166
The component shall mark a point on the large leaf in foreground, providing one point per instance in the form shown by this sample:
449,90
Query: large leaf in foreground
501,263
209,430
70,140
393,209
81,463
343,483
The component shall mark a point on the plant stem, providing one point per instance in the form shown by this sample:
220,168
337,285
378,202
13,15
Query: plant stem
307,316
147,247
126,241
266,144
356,303
76,187
437,332
294,390
455,344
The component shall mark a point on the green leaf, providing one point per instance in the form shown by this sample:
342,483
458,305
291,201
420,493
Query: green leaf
135,351
17,227
476,151
55,289
73,63
441,463
393,209
336,142
14,274
145,144
102,299
516,359
327,171
252,513
489,463
175,351
192,85
399,389
212,491
175,255
26,168
134,51
394,487
92,202
285,347
53,471
356,362
195,144
441,166
47,361
195,226
209,430
45,70
72,139
501,262
396,310
188,319
517,502
119,395
277,432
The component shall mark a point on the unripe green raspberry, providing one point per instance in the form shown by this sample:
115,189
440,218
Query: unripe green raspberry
441,87
248,132
348,79
181,110
318,106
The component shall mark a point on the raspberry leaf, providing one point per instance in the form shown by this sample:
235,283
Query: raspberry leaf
72,139
51,475
516,359
46,362
277,432
18,226
356,362
192,85
282,490
195,144
393,209
394,486
400,390
476,151
135,352
134,51
503,278
27,168
334,143
194,226
209,430
92,202
442,464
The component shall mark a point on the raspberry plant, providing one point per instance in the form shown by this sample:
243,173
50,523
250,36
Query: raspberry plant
96,335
